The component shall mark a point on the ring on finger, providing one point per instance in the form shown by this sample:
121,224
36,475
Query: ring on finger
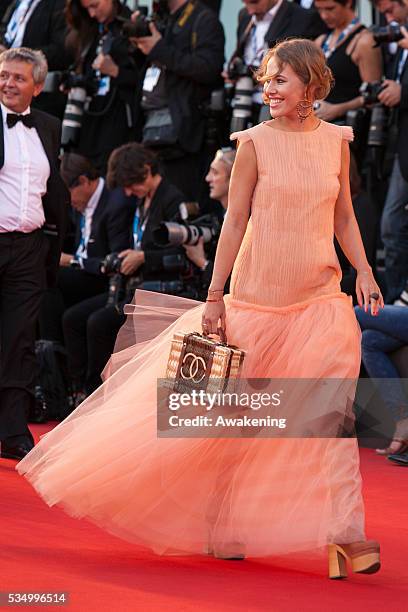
374,296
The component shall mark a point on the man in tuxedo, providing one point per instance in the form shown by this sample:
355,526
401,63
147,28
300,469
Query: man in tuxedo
263,23
33,212
101,221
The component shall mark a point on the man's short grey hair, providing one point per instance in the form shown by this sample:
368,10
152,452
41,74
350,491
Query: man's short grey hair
23,54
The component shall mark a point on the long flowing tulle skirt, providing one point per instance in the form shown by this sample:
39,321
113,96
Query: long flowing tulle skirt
266,496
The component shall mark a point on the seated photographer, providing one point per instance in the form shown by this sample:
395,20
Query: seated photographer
101,226
104,63
90,327
351,56
381,336
394,222
183,55
218,179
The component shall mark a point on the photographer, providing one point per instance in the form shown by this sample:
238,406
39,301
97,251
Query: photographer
101,226
218,179
90,327
394,222
108,73
261,24
39,25
350,54
183,64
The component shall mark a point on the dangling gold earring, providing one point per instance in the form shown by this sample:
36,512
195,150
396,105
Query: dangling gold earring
304,109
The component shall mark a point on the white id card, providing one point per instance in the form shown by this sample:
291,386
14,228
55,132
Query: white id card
151,78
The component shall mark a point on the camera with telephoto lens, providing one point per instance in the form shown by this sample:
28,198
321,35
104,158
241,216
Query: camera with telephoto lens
180,232
387,34
378,125
241,103
140,27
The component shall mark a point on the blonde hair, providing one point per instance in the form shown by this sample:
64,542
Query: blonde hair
306,59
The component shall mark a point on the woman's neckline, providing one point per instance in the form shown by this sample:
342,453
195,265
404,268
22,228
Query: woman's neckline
294,131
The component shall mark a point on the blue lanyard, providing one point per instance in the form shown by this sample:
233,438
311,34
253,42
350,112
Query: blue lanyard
81,247
401,65
326,43
139,226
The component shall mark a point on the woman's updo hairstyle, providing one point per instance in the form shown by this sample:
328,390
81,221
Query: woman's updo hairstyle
306,59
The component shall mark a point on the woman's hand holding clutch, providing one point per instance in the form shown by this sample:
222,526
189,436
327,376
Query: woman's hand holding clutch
213,318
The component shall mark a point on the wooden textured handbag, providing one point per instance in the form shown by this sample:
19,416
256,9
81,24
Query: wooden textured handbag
197,361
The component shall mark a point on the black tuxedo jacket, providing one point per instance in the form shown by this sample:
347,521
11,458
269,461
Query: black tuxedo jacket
402,142
291,20
57,199
45,30
163,207
109,228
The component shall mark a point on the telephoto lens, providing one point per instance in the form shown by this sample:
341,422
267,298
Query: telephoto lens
73,116
378,132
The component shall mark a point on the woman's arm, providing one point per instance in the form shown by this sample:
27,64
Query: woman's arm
243,180
348,234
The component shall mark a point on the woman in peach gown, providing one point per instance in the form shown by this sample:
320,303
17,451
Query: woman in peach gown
236,497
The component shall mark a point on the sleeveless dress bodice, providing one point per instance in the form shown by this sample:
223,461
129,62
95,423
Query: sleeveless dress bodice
287,255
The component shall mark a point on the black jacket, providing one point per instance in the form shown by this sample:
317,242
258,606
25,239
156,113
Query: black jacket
163,207
57,199
402,142
109,121
109,228
291,20
193,55
45,30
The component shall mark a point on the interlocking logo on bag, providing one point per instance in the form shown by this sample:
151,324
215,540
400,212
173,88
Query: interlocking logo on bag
196,368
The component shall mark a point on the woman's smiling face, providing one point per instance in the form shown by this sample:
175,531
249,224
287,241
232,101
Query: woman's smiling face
283,89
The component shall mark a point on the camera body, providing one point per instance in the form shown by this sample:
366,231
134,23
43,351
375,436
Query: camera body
140,27
387,34
370,92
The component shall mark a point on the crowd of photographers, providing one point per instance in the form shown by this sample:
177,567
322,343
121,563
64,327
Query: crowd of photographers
147,107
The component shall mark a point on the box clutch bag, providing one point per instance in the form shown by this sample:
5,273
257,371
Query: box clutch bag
197,361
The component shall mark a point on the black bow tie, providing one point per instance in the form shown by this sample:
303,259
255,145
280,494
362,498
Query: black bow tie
27,120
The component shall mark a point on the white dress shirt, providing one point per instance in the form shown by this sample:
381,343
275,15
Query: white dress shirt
82,250
23,178
18,22
256,46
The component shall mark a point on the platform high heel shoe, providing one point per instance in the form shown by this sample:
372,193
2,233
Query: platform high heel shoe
364,558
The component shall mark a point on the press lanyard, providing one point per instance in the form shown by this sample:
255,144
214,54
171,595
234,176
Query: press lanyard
401,65
80,252
257,53
326,44
139,226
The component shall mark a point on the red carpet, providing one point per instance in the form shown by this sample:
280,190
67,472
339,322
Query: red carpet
41,549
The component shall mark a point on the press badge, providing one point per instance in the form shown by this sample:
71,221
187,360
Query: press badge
151,78
104,86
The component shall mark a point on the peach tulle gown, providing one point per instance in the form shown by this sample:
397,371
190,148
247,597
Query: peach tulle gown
285,308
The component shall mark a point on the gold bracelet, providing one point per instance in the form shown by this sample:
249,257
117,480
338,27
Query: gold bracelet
215,290
207,300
